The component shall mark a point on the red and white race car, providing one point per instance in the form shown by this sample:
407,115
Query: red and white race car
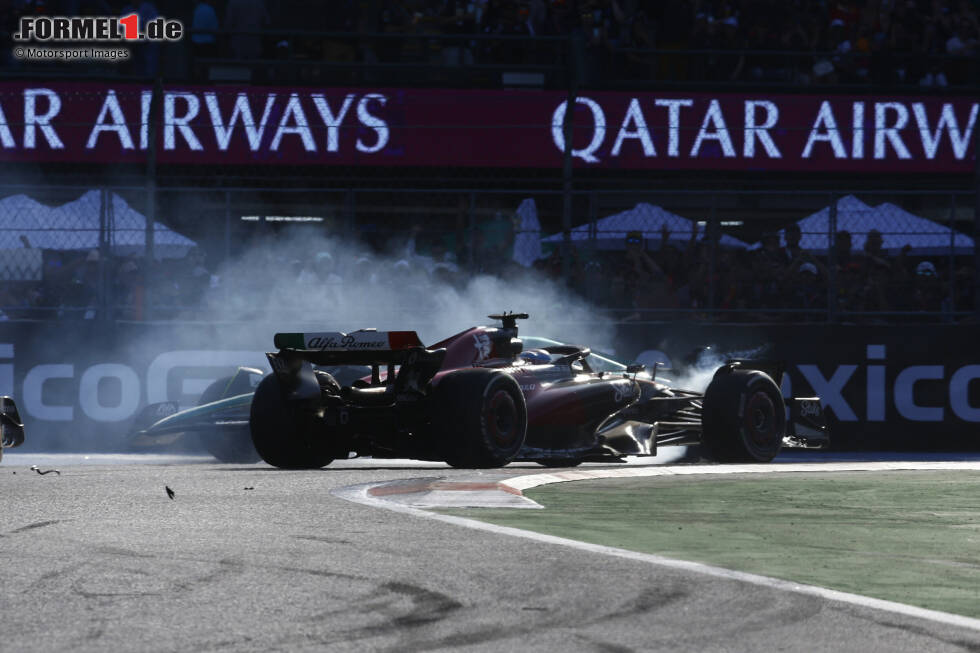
481,399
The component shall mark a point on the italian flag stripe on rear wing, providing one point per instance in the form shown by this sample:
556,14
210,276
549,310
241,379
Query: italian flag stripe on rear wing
356,341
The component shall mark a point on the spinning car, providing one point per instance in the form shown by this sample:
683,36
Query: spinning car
219,422
11,428
477,399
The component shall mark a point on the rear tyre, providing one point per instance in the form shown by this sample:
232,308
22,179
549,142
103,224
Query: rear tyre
743,417
285,433
480,418
226,446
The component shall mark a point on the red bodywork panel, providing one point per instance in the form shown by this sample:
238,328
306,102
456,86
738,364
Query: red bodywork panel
564,407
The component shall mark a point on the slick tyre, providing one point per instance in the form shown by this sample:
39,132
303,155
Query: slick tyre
284,432
479,417
743,417
226,446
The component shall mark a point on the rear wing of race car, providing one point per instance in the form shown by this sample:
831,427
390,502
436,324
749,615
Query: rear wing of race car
298,352
364,347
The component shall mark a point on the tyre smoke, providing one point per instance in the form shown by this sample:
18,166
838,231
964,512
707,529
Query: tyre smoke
294,283
697,374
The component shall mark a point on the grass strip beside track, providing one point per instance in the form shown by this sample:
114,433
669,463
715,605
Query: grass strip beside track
911,537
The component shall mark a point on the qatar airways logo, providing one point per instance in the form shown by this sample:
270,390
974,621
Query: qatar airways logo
196,121
755,129
64,121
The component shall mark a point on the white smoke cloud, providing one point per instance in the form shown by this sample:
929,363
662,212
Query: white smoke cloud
698,375
295,282
274,286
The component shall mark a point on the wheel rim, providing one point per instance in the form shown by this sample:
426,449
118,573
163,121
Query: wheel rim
500,418
760,419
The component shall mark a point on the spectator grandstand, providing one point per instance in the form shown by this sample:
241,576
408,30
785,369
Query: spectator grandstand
791,44
648,272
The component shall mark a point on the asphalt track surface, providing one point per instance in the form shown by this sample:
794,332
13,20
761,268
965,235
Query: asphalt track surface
99,558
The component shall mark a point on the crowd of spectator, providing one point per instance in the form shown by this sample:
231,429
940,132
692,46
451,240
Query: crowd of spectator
777,281
87,285
696,280
930,43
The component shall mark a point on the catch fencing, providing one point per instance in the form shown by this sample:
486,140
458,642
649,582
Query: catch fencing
130,253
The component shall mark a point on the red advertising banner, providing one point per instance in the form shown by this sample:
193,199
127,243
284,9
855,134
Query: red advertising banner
229,125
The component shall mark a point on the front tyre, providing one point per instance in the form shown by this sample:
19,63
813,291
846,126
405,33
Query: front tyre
743,417
285,433
479,417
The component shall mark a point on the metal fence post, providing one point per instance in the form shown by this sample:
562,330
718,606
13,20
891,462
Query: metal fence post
151,195
951,286
832,261
566,129
593,218
350,212
710,232
101,300
227,252
976,224
471,244
593,248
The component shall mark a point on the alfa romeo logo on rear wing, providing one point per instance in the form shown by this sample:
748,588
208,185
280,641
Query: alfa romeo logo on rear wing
344,342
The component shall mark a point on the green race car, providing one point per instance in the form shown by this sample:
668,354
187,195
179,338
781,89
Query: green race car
11,426
219,422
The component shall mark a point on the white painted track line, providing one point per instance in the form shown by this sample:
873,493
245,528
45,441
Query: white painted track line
359,494
535,480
